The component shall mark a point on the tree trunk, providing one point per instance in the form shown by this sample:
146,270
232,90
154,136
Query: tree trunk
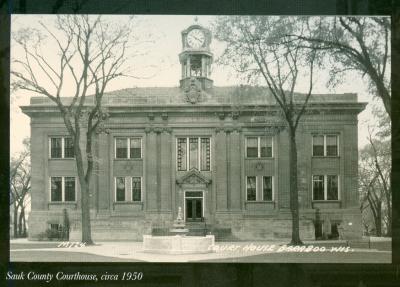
294,195
15,219
20,221
378,219
85,208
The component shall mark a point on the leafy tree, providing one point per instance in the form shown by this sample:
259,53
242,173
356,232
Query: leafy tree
257,47
91,53
360,44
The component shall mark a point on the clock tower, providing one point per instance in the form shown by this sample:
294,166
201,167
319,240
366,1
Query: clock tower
196,59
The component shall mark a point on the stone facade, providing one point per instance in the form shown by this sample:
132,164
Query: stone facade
214,191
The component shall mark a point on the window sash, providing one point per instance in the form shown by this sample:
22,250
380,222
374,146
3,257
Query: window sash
56,147
318,187
120,189
69,151
332,187
56,194
331,146
318,145
252,147
136,186
135,148
251,188
69,189
267,188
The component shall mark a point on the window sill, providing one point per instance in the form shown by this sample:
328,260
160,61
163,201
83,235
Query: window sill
328,156
258,158
62,202
327,201
62,158
259,201
128,202
128,159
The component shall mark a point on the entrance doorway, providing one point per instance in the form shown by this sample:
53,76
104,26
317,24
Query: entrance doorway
194,206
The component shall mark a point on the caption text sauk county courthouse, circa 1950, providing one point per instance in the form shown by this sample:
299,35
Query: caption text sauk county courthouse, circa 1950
219,153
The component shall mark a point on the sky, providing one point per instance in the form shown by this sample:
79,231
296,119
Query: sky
155,63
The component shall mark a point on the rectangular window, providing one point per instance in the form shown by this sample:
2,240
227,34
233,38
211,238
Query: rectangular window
331,145
325,145
266,146
332,187
69,148
251,188
182,154
136,189
252,147
318,187
193,153
120,189
257,147
62,189
205,154
267,188
56,148
135,148
69,183
325,187
318,145
121,148
56,189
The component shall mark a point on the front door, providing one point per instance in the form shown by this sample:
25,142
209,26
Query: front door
194,205
194,209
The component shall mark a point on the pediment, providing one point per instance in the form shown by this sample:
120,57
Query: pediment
193,176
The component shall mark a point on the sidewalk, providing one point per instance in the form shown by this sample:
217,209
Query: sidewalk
230,251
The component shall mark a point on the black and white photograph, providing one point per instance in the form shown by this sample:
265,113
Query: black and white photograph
200,138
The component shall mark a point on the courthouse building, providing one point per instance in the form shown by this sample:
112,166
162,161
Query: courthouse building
218,153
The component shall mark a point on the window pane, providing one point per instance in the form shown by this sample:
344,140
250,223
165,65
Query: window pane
136,148
205,154
318,145
69,188
251,188
267,188
266,146
318,187
68,148
56,189
136,189
193,153
182,154
55,148
120,189
331,146
252,147
332,192
121,148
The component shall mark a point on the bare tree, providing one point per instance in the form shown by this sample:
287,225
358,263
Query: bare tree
375,168
257,46
91,53
20,185
355,43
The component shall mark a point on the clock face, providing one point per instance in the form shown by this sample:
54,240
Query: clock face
196,38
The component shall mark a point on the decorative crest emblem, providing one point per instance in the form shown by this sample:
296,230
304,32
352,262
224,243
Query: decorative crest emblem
193,91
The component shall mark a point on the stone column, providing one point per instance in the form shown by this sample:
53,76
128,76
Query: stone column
235,170
151,170
165,169
221,170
